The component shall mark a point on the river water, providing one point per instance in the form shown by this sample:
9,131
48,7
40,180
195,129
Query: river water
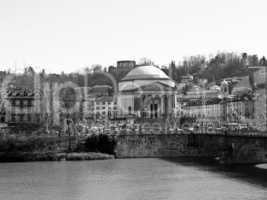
131,179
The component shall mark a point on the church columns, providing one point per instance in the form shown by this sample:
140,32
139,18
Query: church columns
156,106
162,111
165,105
170,106
152,108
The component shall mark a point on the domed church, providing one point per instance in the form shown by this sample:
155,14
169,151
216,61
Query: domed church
146,92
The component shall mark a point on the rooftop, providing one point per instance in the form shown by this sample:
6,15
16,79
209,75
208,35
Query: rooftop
19,92
148,72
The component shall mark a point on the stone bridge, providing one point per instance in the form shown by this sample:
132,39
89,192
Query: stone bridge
239,149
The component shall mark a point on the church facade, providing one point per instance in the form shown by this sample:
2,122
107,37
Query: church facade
146,92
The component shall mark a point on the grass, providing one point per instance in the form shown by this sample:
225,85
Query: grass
52,156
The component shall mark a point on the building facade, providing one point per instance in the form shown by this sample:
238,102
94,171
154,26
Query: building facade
146,92
22,106
259,81
105,107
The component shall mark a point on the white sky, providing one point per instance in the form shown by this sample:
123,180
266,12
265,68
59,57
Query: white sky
70,34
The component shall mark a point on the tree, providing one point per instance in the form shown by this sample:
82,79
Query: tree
112,69
165,69
29,70
244,58
186,88
172,70
253,60
145,61
225,65
68,97
97,68
263,61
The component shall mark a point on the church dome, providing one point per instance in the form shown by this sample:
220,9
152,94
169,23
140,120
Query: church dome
146,73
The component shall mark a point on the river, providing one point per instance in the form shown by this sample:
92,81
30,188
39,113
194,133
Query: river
131,179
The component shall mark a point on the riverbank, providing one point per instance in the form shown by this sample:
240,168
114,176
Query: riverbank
23,148
52,156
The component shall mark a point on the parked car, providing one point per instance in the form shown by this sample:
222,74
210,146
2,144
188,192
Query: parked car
210,129
178,130
232,126
136,130
172,130
128,130
107,131
196,128
189,129
243,127
221,129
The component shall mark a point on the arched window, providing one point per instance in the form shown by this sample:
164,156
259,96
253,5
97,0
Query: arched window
129,110
2,118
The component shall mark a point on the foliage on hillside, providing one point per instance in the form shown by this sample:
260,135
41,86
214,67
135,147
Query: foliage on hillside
214,68
217,67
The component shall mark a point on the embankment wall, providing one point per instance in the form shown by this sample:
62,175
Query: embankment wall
240,149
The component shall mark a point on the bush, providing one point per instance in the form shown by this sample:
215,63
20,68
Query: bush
33,144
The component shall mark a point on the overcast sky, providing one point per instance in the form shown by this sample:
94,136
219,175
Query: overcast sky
70,34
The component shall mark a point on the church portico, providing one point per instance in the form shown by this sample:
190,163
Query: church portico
148,96
155,106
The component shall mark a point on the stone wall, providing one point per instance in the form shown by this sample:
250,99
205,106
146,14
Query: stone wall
260,110
235,148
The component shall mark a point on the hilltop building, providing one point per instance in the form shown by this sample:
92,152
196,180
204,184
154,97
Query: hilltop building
123,67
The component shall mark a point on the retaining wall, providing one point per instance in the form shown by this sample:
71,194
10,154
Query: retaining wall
239,149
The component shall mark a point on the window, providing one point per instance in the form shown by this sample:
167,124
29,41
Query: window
25,103
13,102
21,117
2,119
29,118
16,118
17,102
25,117
29,102
37,118
13,117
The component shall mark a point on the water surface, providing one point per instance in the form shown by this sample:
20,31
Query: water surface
130,179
